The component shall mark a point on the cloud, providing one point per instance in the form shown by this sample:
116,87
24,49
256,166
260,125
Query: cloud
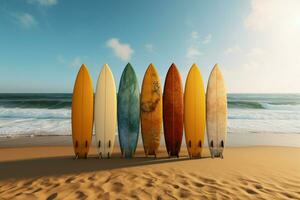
25,20
194,35
234,49
74,62
195,41
207,39
43,2
274,65
276,24
275,15
256,52
193,53
122,51
61,59
149,47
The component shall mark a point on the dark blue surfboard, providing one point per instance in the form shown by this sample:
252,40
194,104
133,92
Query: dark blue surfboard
128,112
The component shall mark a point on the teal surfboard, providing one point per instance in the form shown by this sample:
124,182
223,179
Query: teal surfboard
128,112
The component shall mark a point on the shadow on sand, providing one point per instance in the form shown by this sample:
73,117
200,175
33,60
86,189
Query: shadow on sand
56,166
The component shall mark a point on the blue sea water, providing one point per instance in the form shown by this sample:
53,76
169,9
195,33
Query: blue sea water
35,114
49,114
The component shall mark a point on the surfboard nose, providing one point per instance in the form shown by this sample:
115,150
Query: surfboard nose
83,68
194,69
194,66
105,66
128,66
216,67
151,65
173,66
151,68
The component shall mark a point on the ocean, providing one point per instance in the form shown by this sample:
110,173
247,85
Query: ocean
49,114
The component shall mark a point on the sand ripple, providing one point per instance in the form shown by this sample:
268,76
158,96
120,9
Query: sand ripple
143,183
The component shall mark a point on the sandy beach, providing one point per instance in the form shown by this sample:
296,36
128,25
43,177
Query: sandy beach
49,172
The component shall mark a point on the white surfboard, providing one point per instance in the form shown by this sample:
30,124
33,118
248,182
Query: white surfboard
105,112
216,112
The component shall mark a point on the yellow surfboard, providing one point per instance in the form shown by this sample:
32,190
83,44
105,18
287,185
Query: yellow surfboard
194,112
82,113
151,111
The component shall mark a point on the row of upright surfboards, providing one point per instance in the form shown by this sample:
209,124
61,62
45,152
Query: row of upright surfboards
174,110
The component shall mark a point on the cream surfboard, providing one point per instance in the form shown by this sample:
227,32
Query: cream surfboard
105,113
216,108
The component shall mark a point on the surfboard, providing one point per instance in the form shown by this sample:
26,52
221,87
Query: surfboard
173,111
128,112
105,113
194,112
216,118
82,113
151,111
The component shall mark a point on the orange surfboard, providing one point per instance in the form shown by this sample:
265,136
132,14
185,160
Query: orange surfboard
151,111
82,113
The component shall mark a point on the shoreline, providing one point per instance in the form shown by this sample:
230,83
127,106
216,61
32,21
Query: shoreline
233,140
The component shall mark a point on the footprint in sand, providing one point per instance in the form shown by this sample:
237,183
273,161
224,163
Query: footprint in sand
37,190
149,184
176,186
290,196
183,193
81,195
55,185
209,181
91,178
52,196
249,191
184,182
104,196
69,180
197,184
161,174
159,197
18,194
117,187
258,186
28,183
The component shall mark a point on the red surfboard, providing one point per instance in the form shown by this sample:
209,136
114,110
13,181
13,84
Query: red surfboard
173,111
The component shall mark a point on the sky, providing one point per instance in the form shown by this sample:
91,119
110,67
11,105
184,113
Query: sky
44,42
